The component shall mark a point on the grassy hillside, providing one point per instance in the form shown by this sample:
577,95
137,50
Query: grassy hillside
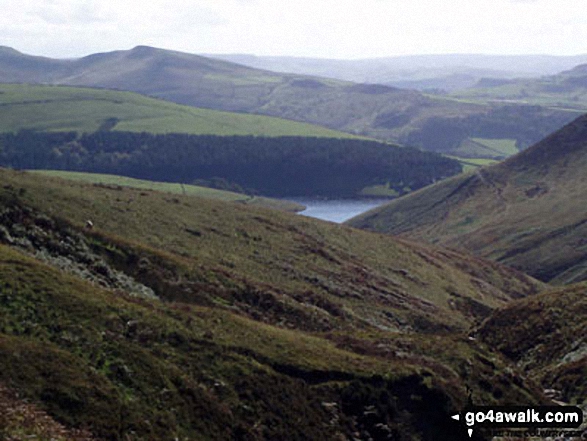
528,211
546,338
51,108
382,112
174,188
127,368
567,90
199,319
289,255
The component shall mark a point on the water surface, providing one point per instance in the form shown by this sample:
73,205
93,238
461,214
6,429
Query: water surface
337,210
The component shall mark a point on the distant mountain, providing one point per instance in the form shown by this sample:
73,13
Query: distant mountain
449,72
383,112
565,89
529,211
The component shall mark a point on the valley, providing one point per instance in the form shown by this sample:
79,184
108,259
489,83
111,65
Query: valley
160,279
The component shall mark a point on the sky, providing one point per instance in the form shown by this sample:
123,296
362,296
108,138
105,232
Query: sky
342,29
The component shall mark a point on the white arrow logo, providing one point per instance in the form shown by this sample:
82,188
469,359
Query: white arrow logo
456,417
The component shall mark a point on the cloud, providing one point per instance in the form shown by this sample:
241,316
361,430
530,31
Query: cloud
63,12
325,28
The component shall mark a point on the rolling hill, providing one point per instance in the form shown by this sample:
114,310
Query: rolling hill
528,212
123,133
566,89
423,72
378,111
50,108
209,321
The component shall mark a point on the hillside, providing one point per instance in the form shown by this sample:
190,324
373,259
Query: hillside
209,320
116,181
423,72
288,255
41,107
545,336
567,89
378,111
528,212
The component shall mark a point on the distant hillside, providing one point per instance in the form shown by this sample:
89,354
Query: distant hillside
41,107
567,89
208,320
529,211
545,336
378,111
448,72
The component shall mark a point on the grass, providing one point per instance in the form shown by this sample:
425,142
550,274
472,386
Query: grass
74,353
551,92
58,108
504,147
379,191
173,188
470,164
190,366
473,149
277,257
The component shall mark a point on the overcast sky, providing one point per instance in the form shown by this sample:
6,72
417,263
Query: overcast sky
313,28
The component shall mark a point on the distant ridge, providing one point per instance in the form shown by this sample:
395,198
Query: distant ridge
529,212
567,88
401,116
443,71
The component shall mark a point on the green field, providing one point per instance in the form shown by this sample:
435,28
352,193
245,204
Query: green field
506,147
473,163
485,148
174,188
56,108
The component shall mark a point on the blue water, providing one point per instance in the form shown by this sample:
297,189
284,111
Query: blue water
338,210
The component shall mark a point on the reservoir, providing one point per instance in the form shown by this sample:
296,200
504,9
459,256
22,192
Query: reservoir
338,210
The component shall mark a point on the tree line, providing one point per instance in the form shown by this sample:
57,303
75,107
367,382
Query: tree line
278,167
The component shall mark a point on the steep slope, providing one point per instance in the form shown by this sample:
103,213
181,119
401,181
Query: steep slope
378,111
528,211
546,336
182,317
